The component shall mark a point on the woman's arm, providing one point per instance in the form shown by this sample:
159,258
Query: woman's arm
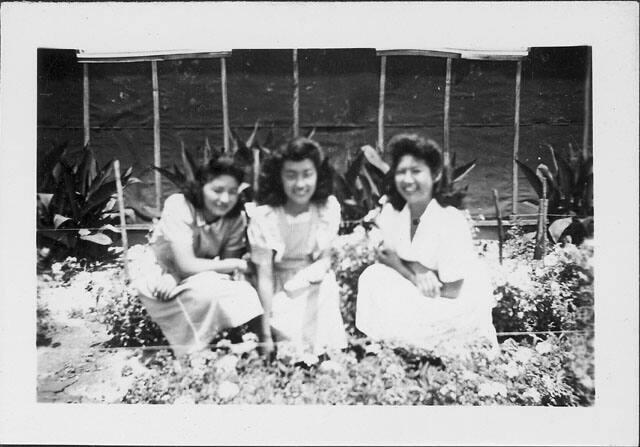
265,292
391,259
427,279
189,264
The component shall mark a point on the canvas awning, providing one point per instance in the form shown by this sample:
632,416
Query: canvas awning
142,56
493,54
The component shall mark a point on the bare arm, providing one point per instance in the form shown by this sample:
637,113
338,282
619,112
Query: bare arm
265,292
189,264
424,277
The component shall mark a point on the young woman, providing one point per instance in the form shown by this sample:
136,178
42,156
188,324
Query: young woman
290,234
428,289
198,243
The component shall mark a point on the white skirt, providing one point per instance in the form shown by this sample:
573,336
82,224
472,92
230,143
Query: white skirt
389,307
207,303
309,317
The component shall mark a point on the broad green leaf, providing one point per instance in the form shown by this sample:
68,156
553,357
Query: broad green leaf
59,220
531,176
374,158
45,199
110,228
97,238
252,137
462,171
189,166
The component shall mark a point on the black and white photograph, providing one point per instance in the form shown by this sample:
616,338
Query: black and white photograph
232,225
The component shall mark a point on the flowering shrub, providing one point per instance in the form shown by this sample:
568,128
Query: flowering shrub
545,373
351,254
129,324
552,295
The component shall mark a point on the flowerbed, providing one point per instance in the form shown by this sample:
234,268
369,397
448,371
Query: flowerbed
370,373
555,294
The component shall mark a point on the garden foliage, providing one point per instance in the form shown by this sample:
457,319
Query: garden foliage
542,373
77,201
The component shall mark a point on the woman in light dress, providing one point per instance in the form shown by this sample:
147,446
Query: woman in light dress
198,243
290,233
429,289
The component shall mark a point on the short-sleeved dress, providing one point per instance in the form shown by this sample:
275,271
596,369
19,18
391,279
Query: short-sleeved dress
309,317
206,302
390,307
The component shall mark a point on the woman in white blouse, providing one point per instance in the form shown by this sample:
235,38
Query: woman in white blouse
428,289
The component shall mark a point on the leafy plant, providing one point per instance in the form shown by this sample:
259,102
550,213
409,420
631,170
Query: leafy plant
570,183
241,153
554,372
554,296
81,209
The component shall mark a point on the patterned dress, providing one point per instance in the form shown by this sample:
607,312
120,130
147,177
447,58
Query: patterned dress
310,316
390,307
206,302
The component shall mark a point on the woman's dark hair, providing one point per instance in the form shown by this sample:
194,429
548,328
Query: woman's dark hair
428,151
204,174
270,189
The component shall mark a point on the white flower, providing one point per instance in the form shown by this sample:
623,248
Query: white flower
492,389
395,371
469,375
227,363
227,390
550,260
56,268
330,366
547,382
373,348
523,355
544,347
184,399
532,394
309,359
249,336
375,236
512,370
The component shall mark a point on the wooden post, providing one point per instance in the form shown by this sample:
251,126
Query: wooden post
85,102
296,95
383,78
225,105
123,225
447,99
587,107
256,170
516,142
541,235
496,202
157,159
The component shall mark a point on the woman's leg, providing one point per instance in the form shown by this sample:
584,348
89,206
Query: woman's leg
209,303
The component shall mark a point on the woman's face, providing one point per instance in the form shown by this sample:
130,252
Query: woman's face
220,195
414,180
299,180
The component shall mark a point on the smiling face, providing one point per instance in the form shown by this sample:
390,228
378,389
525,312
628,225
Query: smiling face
220,195
414,180
299,180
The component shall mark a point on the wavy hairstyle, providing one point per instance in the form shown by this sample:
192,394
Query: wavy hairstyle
208,172
428,151
270,189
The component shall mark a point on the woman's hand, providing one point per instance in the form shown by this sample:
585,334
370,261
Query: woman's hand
241,265
428,283
162,290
